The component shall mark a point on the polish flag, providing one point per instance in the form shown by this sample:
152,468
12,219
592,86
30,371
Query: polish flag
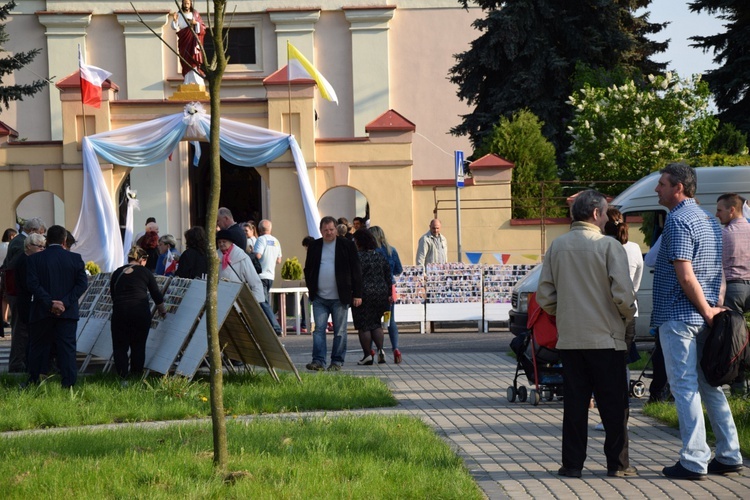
170,265
92,79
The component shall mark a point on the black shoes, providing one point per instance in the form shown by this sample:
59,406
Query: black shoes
677,471
564,471
315,367
630,471
716,467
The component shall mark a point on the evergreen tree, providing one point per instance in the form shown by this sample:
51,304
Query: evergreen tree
730,82
13,62
528,52
519,139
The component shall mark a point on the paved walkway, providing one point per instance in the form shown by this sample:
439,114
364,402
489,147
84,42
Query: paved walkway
513,449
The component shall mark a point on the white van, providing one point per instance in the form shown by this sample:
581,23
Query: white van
640,200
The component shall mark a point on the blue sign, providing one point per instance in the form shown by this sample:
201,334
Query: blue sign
459,157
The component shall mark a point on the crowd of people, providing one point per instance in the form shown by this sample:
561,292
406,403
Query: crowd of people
588,281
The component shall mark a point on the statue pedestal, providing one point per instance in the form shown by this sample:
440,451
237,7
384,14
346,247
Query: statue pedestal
190,92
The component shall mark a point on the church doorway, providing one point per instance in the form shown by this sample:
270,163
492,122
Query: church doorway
241,189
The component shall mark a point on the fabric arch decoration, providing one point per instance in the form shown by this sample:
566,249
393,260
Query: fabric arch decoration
145,144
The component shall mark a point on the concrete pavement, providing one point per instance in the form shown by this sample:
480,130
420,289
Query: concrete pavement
513,449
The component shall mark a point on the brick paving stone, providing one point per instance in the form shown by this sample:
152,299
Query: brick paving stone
513,449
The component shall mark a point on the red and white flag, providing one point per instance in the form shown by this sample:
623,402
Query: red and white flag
170,264
92,79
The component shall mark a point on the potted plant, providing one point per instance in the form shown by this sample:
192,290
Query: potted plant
291,273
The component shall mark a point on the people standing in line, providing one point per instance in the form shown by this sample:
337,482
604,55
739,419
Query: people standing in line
334,281
8,235
268,252
376,295
617,228
150,244
235,265
687,283
190,34
130,287
194,261
56,278
586,284
252,235
166,263
432,247
34,225
735,259
391,255
18,361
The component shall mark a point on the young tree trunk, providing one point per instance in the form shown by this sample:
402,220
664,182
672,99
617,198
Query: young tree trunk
214,72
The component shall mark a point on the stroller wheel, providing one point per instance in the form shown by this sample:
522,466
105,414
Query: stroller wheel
637,389
548,394
522,394
511,393
534,397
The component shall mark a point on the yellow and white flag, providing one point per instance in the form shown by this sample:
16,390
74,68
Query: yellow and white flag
300,67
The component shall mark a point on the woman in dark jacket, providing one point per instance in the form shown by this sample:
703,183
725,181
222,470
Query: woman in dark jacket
130,287
376,295
193,261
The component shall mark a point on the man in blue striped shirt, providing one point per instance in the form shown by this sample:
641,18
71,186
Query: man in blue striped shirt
687,283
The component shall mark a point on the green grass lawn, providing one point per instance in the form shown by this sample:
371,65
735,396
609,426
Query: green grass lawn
99,399
341,457
269,457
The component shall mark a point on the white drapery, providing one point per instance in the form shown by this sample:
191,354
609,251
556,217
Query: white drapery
98,232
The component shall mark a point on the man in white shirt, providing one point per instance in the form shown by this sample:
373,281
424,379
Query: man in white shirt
268,251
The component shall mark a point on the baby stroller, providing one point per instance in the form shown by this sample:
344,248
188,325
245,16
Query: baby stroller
537,358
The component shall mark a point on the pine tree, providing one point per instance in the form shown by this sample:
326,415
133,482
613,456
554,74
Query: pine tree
13,62
527,55
730,82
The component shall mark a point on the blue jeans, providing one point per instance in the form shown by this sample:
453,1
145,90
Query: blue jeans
267,285
271,316
322,309
682,345
393,329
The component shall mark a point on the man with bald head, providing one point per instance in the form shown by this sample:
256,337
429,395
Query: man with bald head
433,247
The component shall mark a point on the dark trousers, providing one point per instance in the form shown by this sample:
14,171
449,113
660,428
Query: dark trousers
601,371
42,335
657,389
267,285
130,331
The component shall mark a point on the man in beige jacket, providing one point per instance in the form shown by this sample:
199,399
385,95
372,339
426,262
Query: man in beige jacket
586,284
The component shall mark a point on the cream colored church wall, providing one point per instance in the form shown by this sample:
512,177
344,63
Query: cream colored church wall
422,44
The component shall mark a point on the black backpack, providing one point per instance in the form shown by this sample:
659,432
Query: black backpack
726,351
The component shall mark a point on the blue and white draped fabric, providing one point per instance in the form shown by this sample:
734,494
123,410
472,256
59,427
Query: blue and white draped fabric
150,143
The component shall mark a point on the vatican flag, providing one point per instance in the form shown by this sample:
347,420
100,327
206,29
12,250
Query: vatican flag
299,67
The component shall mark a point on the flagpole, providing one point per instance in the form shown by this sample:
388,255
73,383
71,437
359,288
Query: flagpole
289,87
80,81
